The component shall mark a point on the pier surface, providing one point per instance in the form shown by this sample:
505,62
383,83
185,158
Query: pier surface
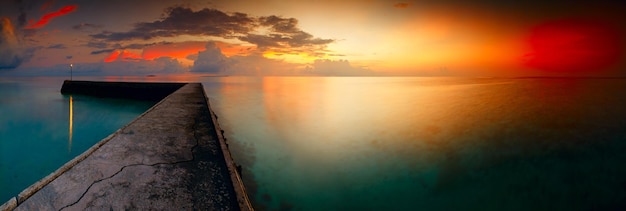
170,158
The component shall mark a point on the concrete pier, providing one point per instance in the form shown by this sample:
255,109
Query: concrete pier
172,157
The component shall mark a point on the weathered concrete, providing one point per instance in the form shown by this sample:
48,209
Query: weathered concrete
170,158
129,90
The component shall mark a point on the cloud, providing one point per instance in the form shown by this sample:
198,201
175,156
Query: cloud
184,21
256,64
180,50
210,60
401,5
284,35
169,65
113,56
137,46
140,67
281,25
285,39
57,46
278,32
214,61
97,44
123,55
49,16
102,51
337,68
11,53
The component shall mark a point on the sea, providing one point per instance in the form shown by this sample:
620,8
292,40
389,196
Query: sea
379,143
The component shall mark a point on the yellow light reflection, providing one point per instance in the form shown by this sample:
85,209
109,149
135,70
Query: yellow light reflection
69,147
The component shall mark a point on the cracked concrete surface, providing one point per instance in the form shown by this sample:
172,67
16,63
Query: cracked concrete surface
169,159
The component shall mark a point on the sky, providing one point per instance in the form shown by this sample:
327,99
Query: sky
483,38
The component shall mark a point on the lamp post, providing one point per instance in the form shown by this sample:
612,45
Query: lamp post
71,65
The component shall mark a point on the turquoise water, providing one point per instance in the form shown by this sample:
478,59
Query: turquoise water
35,135
410,143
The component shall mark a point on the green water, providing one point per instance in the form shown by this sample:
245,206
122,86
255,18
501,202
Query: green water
410,143
35,137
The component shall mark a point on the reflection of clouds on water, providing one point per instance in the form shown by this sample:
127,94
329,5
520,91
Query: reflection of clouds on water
437,143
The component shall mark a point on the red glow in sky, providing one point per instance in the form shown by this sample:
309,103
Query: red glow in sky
130,56
178,50
113,56
46,18
182,50
123,55
573,46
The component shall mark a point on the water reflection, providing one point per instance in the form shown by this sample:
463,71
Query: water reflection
41,129
71,127
434,143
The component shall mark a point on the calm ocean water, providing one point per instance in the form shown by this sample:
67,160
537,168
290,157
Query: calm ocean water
35,134
409,143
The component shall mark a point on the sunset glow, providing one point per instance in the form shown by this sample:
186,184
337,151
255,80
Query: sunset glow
419,38
113,56
322,104
574,45
47,17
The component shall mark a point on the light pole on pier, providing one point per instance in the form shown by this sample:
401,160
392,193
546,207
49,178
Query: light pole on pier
71,65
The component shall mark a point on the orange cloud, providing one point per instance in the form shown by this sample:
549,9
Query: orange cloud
113,56
46,18
124,55
175,50
182,50
130,56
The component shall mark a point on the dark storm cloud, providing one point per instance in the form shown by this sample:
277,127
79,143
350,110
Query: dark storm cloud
283,32
184,21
